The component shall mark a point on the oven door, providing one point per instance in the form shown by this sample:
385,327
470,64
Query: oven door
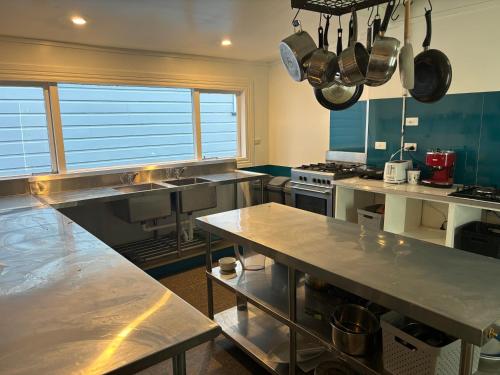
313,198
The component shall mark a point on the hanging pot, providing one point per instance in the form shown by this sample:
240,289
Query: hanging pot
384,54
338,96
432,70
353,61
323,65
295,52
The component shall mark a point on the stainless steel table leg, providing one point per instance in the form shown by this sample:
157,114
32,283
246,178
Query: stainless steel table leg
261,190
292,312
210,290
179,364
235,195
178,221
466,358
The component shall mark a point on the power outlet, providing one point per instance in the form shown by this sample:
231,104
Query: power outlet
410,146
411,121
380,145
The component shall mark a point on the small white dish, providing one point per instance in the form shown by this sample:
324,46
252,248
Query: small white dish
227,264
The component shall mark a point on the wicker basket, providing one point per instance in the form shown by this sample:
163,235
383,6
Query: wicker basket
407,355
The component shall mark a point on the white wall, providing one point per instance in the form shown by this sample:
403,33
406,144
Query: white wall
300,126
23,59
465,30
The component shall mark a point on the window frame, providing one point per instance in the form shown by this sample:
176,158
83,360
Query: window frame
45,86
242,147
243,89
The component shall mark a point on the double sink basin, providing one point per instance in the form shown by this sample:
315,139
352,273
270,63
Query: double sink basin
157,204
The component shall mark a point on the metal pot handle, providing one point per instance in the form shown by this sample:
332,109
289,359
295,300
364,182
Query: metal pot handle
428,35
387,16
320,37
339,41
325,35
353,29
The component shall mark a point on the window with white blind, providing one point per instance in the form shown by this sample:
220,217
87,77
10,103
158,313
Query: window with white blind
219,124
107,126
24,137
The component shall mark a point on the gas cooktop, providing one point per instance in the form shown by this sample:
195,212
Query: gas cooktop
322,174
489,194
330,167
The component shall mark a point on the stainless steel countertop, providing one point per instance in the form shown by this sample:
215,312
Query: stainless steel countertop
448,289
108,193
413,191
71,304
18,202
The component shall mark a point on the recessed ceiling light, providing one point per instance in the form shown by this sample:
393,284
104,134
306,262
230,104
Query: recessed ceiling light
226,42
77,20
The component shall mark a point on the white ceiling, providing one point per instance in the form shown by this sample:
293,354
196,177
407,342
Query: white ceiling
179,26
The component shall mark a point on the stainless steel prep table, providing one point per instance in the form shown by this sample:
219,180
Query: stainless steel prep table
448,289
71,304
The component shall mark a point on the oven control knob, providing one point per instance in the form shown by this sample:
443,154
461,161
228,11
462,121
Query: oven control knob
323,181
328,182
300,178
305,178
314,180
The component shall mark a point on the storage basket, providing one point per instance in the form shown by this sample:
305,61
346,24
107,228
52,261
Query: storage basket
404,354
370,218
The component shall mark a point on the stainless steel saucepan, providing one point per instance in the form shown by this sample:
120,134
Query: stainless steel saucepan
295,52
323,64
353,61
384,54
338,97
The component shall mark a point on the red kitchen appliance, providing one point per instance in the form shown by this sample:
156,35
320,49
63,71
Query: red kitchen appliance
442,165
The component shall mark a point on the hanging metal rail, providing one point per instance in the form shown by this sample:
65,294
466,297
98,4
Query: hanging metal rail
335,7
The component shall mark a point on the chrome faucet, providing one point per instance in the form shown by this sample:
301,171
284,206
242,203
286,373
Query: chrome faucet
128,178
178,172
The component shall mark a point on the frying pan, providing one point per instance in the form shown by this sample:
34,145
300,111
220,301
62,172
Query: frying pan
406,61
384,55
353,61
295,52
338,97
323,64
432,70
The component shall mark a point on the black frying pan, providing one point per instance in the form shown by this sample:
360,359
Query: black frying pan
432,70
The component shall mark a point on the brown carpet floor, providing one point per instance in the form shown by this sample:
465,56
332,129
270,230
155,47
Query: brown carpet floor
216,357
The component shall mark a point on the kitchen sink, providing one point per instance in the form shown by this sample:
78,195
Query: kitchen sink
139,187
186,181
137,209
196,198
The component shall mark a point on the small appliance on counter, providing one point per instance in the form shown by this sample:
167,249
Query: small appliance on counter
395,171
442,165
372,174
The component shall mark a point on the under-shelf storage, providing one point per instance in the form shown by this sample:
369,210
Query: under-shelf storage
347,202
267,290
416,218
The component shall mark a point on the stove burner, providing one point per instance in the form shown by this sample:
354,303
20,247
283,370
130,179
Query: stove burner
329,167
484,193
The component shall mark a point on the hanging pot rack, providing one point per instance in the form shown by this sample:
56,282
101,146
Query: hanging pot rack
335,7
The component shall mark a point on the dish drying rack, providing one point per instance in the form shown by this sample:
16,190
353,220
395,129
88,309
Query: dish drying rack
335,7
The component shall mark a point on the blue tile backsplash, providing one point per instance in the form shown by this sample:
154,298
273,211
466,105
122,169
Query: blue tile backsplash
468,124
350,129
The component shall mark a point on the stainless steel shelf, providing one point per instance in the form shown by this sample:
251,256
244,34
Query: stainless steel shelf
255,333
154,252
268,290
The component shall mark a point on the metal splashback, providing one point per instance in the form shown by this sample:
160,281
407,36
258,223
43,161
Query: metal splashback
41,185
346,157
